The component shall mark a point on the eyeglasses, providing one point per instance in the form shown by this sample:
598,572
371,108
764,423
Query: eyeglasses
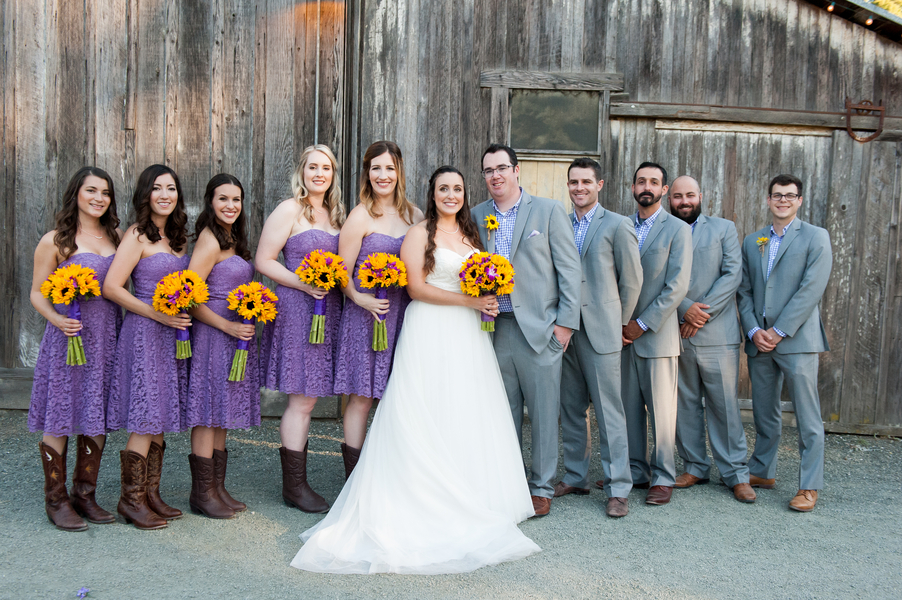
790,197
501,170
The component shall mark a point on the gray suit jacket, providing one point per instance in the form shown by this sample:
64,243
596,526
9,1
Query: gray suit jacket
666,268
792,292
546,267
612,279
716,274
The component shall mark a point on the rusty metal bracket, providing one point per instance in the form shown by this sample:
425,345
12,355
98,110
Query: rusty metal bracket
865,107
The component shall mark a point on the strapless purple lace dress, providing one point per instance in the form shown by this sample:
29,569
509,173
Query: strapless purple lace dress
149,385
73,400
213,400
290,363
359,369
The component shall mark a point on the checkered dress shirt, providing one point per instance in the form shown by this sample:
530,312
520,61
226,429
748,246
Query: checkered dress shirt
581,227
773,248
504,236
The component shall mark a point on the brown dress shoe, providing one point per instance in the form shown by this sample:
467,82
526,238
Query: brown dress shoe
659,494
688,480
542,506
744,493
636,486
84,482
562,489
804,501
617,507
56,499
760,482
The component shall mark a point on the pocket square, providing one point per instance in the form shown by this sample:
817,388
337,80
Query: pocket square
533,234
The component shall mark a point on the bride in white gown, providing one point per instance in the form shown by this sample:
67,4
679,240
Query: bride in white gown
440,485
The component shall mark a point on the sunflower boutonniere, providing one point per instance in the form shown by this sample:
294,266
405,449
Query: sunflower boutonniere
491,224
762,243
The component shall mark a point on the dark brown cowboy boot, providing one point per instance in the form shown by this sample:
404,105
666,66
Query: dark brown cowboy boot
56,499
295,489
220,459
154,469
203,498
350,457
84,482
133,501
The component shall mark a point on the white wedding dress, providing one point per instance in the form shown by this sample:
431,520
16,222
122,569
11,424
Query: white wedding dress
440,485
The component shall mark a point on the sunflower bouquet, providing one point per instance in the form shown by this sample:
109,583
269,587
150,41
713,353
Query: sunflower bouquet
177,292
251,301
382,271
65,286
324,270
484,273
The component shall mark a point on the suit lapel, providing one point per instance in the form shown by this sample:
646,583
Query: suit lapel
787,240
479,214
520,225
699,231
655,230
764,251
594,226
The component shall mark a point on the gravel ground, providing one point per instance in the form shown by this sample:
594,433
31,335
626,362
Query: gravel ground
703,544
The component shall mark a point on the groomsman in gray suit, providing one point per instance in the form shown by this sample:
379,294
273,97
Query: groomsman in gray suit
709,362
652,336
612,279
785,270
536,320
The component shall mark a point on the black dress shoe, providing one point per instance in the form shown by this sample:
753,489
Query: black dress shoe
562,489
636,486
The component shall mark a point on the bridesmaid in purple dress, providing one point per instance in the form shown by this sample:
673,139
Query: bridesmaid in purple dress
290,363
377,224
72,400
149,385
215,404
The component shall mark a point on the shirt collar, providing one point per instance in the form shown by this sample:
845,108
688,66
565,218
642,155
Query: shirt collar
586,217
652,218
514,207
785,229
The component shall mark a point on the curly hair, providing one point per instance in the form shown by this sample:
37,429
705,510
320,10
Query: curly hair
67,217
332,201
467,226
368,196
176,224
237,237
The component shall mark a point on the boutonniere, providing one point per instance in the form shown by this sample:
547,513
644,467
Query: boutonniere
762,243
491,224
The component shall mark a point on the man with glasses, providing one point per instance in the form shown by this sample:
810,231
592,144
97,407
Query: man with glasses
709,362
536,320
652,337
785,269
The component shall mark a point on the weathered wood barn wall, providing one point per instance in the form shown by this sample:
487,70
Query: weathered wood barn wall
244,86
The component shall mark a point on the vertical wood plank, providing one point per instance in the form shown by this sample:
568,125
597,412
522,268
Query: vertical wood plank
9,319
110,92
279,134
257,186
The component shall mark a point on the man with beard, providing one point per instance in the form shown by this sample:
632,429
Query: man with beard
709,362
611,281
652,337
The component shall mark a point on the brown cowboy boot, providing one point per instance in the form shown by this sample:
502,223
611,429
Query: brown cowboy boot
154,469
203,498
295,489
133,501
350,456
220,458
84,482
56,499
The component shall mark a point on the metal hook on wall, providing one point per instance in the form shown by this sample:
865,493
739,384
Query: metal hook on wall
865,107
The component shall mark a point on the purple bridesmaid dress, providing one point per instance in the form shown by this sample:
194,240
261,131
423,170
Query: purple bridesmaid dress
72,400
359,369
213,400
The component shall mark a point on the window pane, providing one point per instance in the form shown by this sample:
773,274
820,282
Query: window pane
552,120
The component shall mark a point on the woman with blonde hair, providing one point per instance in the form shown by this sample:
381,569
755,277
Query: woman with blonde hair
308,221
377,224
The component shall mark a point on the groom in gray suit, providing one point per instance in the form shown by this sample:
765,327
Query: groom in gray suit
612,279
709,362
652,337
786,265
537,319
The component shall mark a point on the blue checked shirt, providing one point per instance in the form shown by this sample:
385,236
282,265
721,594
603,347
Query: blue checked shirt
642,230
581,227
773,248
504,237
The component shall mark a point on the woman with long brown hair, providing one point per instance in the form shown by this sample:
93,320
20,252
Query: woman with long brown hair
149,384
72,400
377,224
308,221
